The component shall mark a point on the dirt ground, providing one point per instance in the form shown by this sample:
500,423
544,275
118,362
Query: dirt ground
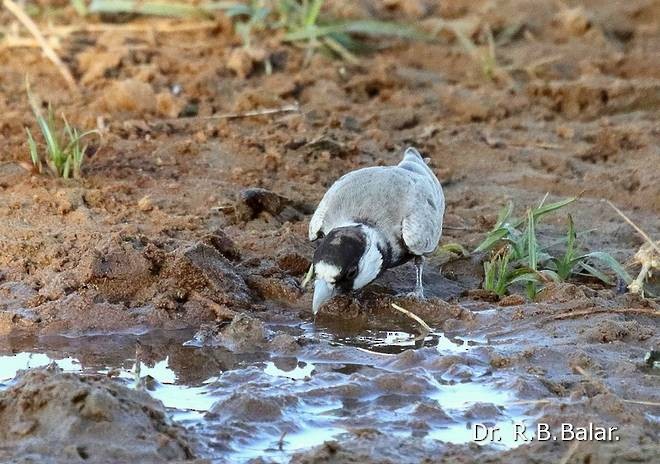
166,229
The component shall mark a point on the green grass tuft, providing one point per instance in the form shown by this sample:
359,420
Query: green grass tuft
518,258
63,152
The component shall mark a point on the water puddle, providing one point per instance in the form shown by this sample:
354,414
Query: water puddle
336,387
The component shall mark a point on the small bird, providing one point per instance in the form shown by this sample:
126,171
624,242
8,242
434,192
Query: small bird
374,219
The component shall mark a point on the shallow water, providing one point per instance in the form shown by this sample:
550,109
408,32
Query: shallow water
248,405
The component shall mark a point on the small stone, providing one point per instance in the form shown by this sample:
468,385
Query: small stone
145,204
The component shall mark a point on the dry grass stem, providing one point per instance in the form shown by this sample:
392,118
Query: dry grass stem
414,316
24,19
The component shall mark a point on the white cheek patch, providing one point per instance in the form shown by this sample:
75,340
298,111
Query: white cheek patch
325,271
369,267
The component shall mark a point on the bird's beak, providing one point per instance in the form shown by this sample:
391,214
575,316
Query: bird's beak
323,291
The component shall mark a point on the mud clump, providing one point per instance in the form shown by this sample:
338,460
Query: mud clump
245,407
245,334
219,240
117,269
278,288
130,95
610,331
343,309
253,202
53,417
202,269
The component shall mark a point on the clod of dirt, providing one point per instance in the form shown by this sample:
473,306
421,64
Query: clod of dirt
94,64
56,417
285,344
254,201
560,292
244,334
610,331
399,119
145,203
201,268
512,300
293,263
225,245
245,407
483,411
117,269
342,308
242,61
130,95
278,288
471,106
573,21
68,200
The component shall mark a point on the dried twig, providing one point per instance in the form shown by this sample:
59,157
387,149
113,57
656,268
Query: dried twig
155,26
589,312
645,403
266,111
634,226
18,12
411,315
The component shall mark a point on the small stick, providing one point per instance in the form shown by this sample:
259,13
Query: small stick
645,403
635,226
164,27
589,312
419,320
43,43
284,109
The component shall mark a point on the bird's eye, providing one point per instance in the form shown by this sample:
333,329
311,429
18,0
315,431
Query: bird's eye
352,272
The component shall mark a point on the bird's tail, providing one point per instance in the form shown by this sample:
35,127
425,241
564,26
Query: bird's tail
412,155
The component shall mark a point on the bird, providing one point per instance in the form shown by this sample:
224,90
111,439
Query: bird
373,219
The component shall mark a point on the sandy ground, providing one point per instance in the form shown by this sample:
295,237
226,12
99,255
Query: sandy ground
163,231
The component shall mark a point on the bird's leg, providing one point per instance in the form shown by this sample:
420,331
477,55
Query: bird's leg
419,286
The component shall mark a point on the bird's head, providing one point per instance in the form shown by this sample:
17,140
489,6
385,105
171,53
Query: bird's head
347,259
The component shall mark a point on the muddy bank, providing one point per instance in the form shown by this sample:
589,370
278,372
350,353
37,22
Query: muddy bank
274,387
50,416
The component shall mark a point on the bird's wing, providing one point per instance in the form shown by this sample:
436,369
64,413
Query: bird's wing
352,196
422,225
319,216
316,222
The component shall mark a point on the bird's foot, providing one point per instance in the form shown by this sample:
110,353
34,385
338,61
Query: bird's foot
417,294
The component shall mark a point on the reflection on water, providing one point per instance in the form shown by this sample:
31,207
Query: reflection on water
262,404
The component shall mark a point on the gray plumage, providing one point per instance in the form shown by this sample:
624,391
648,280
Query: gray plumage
373,219
404,202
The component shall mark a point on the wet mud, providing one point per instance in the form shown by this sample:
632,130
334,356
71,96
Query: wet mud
166,283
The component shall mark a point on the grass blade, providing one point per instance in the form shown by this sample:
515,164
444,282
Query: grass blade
492,239
504,215
610,262
531,241
543,210
162,8
34,153
366,27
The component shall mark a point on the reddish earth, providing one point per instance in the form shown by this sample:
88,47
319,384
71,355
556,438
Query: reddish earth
161,232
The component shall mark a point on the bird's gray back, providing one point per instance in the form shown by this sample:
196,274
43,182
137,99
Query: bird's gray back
384,197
